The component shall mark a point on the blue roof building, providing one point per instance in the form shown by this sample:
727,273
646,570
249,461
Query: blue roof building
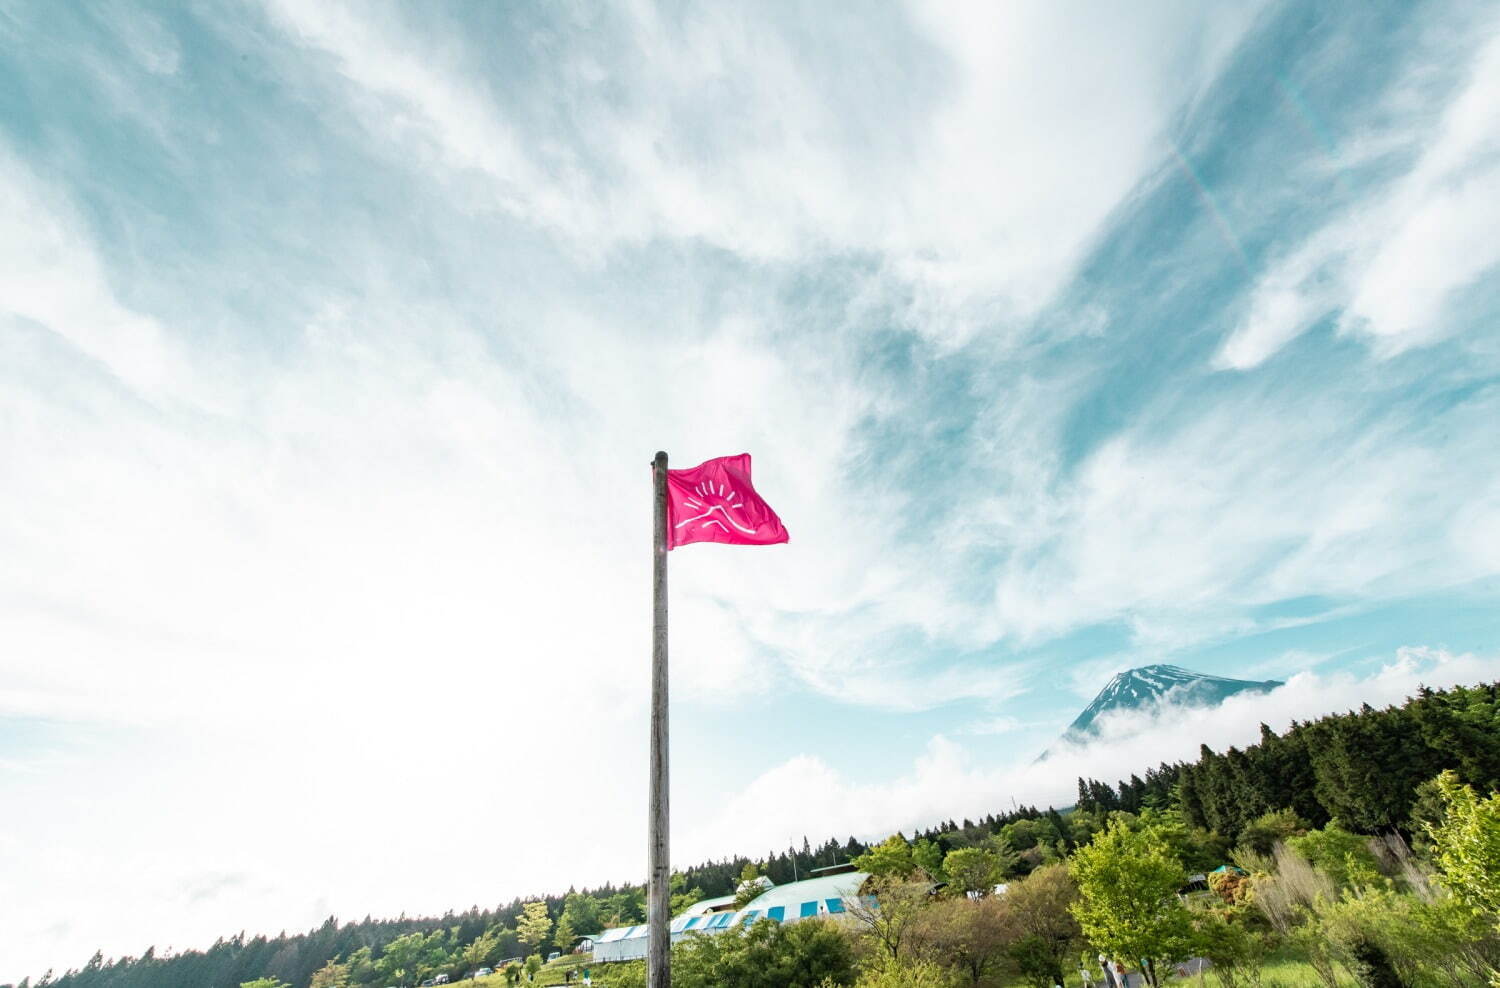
825,896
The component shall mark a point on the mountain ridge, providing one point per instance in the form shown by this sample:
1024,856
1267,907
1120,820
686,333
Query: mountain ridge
1149,686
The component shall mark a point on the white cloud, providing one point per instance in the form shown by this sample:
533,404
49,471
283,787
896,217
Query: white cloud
302,615
436,106
975,159
994,725
1443,244
49,274
1179,527
806,795
1393,263
1298,291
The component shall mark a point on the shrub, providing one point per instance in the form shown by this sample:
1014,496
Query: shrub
767,955
1263,833
1236,952
1344,857
887,972
1467,845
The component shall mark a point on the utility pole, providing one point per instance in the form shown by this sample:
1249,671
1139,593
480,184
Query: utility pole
659,938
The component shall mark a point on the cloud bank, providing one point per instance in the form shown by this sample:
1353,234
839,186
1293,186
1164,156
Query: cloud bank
804,795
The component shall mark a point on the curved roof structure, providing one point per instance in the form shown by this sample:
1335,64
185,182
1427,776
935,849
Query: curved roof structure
828,895
830,892
706,905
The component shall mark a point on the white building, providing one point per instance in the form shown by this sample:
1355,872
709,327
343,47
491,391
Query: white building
828,895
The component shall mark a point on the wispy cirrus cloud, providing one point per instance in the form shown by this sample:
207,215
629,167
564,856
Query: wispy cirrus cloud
1390,265
723,126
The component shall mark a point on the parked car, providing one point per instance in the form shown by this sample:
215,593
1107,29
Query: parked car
483,972
441,979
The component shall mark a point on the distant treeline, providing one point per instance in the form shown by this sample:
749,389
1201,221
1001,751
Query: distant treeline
1369,769
294,958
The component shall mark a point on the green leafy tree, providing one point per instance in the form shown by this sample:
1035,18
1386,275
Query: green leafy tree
681,897
973,870
533,925
750,886
1025,834
1041,908
482,949
361,967
331,975
1466,846
563,936
889,914
1036,962
928,856
1195,848
1263,833
264,983
973,938
624,908
1128,905
891,859
410,958
582,913
1005,855
533,965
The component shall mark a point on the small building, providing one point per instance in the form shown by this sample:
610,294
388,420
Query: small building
1195,883
828,895
628,943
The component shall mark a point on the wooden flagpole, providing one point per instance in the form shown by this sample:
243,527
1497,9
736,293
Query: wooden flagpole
659,941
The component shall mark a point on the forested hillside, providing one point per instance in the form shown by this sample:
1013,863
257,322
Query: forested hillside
1365,772
1367,768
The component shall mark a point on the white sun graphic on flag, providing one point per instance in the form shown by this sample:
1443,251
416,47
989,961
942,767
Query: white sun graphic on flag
717,505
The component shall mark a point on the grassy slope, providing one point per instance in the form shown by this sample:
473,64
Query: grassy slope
551,973
1283,969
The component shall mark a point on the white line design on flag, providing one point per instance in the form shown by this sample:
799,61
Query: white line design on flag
720,492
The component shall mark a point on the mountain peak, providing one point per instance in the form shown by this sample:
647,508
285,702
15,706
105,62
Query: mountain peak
1152,685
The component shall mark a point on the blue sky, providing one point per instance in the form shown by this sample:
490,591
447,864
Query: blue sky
336,339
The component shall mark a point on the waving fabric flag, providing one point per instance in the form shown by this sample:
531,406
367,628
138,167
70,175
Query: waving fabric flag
715,502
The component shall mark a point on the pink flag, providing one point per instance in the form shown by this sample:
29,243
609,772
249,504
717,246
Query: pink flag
714,502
